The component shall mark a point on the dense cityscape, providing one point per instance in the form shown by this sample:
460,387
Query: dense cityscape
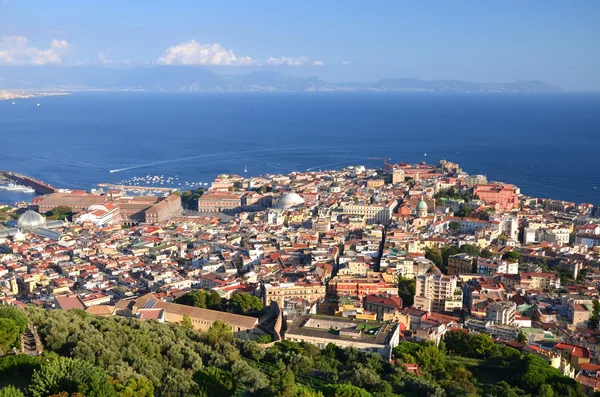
411,263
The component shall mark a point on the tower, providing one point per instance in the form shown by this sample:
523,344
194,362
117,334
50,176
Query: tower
422,209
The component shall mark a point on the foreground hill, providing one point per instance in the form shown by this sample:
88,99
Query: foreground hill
104,357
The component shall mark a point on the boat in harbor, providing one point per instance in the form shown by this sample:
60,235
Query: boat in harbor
12,187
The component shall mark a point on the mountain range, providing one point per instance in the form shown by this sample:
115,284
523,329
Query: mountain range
190,78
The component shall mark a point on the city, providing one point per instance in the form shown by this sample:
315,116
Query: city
356,257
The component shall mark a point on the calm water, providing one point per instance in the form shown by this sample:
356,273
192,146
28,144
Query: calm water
549,145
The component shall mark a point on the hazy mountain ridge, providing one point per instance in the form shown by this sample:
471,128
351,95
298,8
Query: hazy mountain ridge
197,79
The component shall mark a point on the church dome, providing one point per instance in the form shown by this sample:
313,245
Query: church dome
31,220
422,205
434,270
290,199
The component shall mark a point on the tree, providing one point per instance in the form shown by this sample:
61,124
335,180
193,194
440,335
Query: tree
187,322
214,301
136,387
263,339
470,249
434,256
283,383
16,315
9,332
454,227
345,390
511,256
521,337
485,253
10,391
406,290
216,382
61,212
218,333
463,211
242,302
70,375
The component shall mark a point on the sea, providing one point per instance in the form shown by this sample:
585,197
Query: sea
546,144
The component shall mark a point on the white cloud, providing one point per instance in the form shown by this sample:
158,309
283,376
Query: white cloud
193,53
15,50
288,61
345,63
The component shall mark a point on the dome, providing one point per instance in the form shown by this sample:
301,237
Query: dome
290,200
422,205
434,270
19,236
30,220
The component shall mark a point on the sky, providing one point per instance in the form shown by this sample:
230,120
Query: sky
486,41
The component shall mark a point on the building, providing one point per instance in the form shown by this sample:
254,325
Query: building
422,209
437,292
99,214
503,197
165,209
76,202
379,213
290,200
382,305
501,313
367,336
243,327
580,315
542,281
359,287
280,293
492,266
461,264
228,202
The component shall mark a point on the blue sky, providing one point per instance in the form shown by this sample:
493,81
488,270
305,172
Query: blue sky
554,41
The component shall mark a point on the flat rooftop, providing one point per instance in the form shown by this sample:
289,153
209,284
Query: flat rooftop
340,328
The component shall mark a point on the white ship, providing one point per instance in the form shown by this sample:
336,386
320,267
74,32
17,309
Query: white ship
17,188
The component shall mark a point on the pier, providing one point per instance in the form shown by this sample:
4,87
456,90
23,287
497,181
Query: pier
39,186
140,188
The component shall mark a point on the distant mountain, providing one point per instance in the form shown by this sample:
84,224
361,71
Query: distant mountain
189,78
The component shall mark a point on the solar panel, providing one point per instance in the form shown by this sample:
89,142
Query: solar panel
149,304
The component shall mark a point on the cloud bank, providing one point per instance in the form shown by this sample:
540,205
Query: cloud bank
15,50
194,53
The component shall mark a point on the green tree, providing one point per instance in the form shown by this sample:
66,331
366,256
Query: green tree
470,249
263,339
242,302
215,382
485,253
431,359
521,337
454,227
9,332
136,387
10,391
16,315
283,382
218,333
214,301
545,391
345,390
406,290
187,322
511,256
70,375
434,255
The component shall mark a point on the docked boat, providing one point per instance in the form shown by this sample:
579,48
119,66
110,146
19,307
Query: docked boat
12,187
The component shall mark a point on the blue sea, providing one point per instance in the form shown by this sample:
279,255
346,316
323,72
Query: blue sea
547,144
